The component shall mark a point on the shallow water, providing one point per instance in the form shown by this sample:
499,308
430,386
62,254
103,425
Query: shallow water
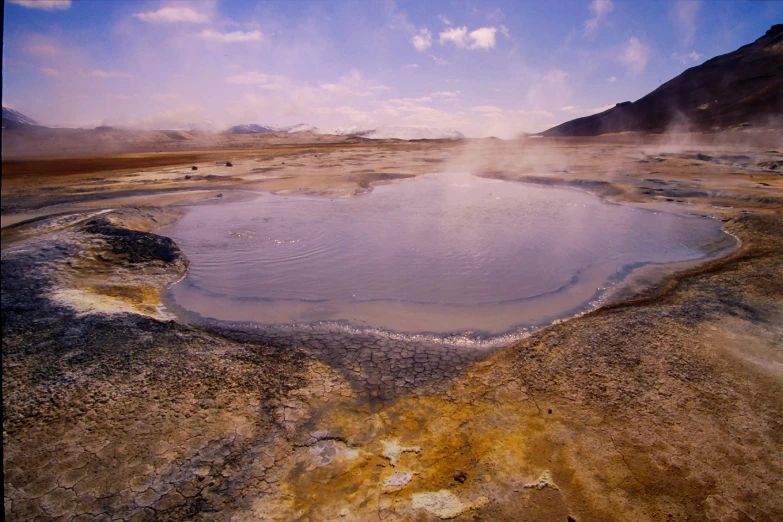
442,253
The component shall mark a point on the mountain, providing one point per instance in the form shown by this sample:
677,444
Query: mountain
402,132
250,128
12,117
253,128
741,87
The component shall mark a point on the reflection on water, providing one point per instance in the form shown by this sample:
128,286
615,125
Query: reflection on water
443,253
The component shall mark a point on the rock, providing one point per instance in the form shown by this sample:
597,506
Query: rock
398,480
392,450
444,504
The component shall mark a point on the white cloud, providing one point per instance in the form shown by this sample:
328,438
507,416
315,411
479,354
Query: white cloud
428,116
356,116
612,79
546,114
423,40
353,85
262,81
596,110
446,94
635,55
47,5
248,78
423,99
43,49
549,91
481,38
576,109
684,13
692,56
166,97
599,8
233,37
439,61
173,14
109,74
443,19
496,15
278,83
457,35
248,90
486,109
172,118
505,32
337,88
398,20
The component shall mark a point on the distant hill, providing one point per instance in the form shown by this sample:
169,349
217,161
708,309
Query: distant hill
24,141
250,128
402,132
12,118
253,128
741,87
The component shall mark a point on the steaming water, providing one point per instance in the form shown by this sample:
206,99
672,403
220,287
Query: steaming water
441,253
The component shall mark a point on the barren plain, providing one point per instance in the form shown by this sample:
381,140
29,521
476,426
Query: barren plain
664,404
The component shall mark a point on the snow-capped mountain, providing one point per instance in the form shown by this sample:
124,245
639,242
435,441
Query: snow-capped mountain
402,132
250,128
11,115
254,128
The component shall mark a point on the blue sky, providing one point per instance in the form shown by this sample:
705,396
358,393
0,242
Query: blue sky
483,68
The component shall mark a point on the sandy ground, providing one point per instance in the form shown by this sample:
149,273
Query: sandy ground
338,170
663,405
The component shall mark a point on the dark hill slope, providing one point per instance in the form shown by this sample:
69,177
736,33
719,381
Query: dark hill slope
12,118
742,86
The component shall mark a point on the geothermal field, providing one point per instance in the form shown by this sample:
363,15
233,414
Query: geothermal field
584,324
240,371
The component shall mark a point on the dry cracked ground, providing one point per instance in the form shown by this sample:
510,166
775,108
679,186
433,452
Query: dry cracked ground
664,405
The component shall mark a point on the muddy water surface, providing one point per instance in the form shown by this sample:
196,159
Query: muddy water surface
442,253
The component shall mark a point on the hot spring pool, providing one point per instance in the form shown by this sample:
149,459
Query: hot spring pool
441,253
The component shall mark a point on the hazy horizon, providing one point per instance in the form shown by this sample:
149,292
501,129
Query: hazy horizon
480,68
